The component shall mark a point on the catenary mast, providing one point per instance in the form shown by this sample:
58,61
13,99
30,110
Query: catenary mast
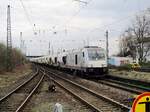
9,41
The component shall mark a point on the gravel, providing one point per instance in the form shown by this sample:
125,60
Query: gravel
111,92
44,101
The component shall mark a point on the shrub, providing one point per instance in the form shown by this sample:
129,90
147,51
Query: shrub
2,57
127,67
111,66
17,57
145,64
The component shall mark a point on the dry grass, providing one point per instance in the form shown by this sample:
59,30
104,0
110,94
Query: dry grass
8,78
132,74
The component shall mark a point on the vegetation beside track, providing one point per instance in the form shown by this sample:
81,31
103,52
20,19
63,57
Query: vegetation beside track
8,78
17,57
146,64
144,76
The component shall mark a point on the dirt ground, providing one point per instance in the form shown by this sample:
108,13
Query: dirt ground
131,74
8,78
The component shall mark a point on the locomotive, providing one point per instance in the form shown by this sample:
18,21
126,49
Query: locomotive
89,61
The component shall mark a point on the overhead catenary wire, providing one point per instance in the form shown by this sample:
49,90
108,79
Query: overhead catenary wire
81,1
27,16
70,19
33,25
86,3
67,21
116,22
66,24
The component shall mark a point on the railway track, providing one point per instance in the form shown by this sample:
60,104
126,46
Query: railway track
92,99
119,92
134,86
18,97
129,85
143,69
7,89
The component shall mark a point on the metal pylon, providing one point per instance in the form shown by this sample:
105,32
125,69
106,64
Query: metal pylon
9,41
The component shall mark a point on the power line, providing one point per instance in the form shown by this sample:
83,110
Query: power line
115,22
70,19
66,23
27,15
82,1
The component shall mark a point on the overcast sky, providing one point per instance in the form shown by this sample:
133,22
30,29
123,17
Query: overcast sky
67,23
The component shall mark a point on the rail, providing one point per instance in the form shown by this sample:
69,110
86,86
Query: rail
18,87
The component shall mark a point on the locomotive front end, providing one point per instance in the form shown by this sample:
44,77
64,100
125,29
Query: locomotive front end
96,61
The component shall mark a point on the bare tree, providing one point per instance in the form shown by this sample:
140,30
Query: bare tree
137,38
141,31
127,45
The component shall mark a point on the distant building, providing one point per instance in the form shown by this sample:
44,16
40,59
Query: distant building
118,61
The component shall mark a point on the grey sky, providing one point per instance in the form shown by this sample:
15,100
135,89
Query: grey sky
75,23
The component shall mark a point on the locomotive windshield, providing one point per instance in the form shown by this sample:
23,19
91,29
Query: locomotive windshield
96,54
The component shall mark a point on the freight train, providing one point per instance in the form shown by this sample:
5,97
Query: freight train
89,61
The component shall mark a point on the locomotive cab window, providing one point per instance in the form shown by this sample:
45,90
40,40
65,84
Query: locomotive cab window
96,54
83,54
